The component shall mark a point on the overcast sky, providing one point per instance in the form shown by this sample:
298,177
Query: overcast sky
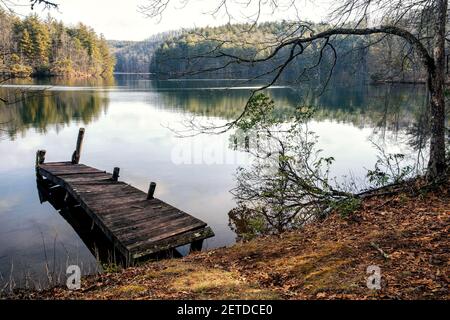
121,19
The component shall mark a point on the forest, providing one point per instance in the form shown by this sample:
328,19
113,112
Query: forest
136,56
193,54
35,47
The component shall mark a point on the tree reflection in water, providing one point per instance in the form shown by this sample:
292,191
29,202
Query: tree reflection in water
288,183
42,110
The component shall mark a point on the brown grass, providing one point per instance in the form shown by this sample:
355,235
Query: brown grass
325,260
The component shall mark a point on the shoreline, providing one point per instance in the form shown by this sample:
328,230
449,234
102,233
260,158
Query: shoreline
405,235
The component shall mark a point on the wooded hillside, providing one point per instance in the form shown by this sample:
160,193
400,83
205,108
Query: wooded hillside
132,56
34,47
135,56
193,54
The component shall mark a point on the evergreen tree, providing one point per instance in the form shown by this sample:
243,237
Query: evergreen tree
26,45
50,48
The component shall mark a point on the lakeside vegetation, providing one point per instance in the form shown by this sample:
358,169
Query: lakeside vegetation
35,47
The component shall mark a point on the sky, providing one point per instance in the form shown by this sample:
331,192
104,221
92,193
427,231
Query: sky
121,19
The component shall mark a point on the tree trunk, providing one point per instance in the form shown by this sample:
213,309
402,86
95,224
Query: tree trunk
436,84
436,163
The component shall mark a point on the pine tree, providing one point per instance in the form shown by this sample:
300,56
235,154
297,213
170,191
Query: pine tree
41,47
26,45
50,48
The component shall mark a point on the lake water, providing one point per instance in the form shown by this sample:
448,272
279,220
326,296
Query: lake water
130,123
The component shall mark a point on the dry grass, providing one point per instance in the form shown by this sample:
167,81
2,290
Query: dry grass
325,260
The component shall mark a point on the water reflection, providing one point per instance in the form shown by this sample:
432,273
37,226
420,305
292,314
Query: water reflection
387,107
42,110
273,192
124,121
90,82
91,236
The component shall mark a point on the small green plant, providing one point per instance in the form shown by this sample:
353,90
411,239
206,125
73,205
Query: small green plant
390,168
247,223
347,206
402,198
110,267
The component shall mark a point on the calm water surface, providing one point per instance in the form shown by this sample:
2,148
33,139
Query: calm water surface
129,122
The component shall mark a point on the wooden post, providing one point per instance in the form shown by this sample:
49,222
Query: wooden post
77,152
115,176
40,157
196,246
151,190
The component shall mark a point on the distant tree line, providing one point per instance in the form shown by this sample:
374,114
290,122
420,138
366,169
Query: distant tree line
35,47
136,56
192,54
131,56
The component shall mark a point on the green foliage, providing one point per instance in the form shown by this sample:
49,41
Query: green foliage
377,176
347,206
389,168
50,48
110,267
16,68
25,45
62,66
248,223
287,183
258,111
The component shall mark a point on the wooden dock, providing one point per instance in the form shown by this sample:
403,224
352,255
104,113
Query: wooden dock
137,223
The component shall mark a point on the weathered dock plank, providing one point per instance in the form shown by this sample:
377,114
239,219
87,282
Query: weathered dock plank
135,222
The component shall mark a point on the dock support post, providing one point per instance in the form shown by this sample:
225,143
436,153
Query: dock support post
77,152
40,159
196,246
115,176
151,190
